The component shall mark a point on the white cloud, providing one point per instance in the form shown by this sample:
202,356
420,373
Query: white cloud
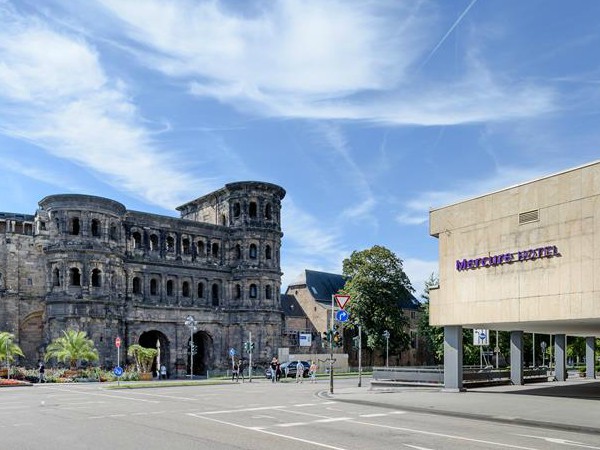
418,272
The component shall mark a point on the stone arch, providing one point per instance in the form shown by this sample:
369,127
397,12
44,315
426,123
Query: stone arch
156,339
204,355
31,334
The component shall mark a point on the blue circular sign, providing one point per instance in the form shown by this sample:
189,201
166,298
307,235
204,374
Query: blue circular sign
341,315
232,352
118,371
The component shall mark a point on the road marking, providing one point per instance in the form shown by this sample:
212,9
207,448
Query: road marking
187,399
291,424
110,396
417,447
260,430
333,419
443,435
560,441
373,415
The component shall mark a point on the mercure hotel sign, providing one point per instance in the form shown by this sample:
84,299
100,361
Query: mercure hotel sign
507,258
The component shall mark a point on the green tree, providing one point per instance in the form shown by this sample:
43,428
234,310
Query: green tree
432,338
71,347
8,348
143,356
378,287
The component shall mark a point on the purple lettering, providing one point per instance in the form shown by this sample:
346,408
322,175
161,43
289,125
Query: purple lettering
556,251
485,261
461,265
550,251
522,255
508,257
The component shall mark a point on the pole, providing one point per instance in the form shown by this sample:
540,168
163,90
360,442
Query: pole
191,352
250,357
118,363
533,348
359,356
7,361
481,356
331,350
497,349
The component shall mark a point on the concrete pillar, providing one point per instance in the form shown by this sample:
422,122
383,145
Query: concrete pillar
453,359
516,357
590,357
560,347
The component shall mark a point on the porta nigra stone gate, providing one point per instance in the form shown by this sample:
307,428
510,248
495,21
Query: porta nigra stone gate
87,263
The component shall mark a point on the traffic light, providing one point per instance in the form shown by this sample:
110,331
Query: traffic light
251,347
337,339
355,342
325,339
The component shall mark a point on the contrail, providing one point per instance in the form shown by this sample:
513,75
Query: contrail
454,25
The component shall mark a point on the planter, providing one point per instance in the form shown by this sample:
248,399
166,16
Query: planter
71,374
146,376
4,373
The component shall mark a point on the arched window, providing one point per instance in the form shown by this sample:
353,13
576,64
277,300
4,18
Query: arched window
268,292
268,211
253,291
200,293
74,277
137,285
75,226
200,249
252,210
170,287
153,287
137,239
268,252
113,232
153,242
185,246
170,244
96,278
236,210
223,219
238,251
215,250
238,291
215,294
252,253
96,228
55,277
185,289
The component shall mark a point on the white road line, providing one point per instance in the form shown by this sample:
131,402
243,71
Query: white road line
260,430
305,404
398,412
187,399
559,441
291,424
449,436
333,419
417,447
229,411
373,415
113,396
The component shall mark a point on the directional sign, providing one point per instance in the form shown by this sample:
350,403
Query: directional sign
341,300
341,315
481,337
232,351
118,371
118,342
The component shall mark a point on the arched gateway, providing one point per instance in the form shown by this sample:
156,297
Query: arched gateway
156,339
203,355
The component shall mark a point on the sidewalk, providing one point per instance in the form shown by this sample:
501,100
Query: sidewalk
572,405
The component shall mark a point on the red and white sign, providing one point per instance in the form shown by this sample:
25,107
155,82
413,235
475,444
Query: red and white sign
342,300
118,342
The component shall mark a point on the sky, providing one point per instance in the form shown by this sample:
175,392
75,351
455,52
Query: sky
368,113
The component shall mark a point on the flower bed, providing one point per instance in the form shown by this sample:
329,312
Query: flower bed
12,382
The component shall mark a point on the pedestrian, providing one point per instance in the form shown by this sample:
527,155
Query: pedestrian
312,372
41,372
163,372
240,369
299,372
278,371
273,366
234,372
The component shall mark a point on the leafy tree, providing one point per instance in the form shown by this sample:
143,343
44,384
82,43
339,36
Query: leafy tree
71,347
431,337
378,287
143,356
8,348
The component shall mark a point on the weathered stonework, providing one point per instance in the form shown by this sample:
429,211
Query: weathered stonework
88,263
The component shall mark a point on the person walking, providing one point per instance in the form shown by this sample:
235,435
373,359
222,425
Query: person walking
41,372
163,372
299,372
234,372
312,372
240,369
274,369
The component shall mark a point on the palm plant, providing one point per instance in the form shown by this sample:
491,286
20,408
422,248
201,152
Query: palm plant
8,348
71,347
144,357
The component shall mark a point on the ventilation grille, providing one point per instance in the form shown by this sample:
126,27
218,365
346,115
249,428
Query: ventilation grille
529,216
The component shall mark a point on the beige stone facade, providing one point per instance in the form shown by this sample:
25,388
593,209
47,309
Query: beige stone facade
523,258
88,263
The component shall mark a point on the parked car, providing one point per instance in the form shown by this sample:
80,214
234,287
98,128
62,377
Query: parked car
288,369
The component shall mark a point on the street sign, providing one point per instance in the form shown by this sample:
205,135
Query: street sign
118,371
341,315
481,337
118,342
232,351
341,300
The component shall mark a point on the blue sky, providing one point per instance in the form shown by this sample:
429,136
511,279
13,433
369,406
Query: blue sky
368,113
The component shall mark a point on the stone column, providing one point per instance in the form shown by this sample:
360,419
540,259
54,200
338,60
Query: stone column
590,357
560,346
453,359
516,357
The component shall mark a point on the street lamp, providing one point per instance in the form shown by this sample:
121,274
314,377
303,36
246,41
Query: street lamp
191,323
386,335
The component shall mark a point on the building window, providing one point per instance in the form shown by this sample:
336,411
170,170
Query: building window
170,287
75,226
137,239
137,285
170,244
252,209
238,291
268,292
200,248
74,277
215,250
185,289
268,252
113,232
153,287
253,291
55,277
252,253
236,210
185,246
238,251
268,211
95,228
96,278
200,290
223,219
154,243
215,294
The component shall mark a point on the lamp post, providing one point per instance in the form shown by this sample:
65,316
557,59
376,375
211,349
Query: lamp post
191,323
386,335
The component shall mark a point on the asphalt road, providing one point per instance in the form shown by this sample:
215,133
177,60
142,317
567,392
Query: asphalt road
258,415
